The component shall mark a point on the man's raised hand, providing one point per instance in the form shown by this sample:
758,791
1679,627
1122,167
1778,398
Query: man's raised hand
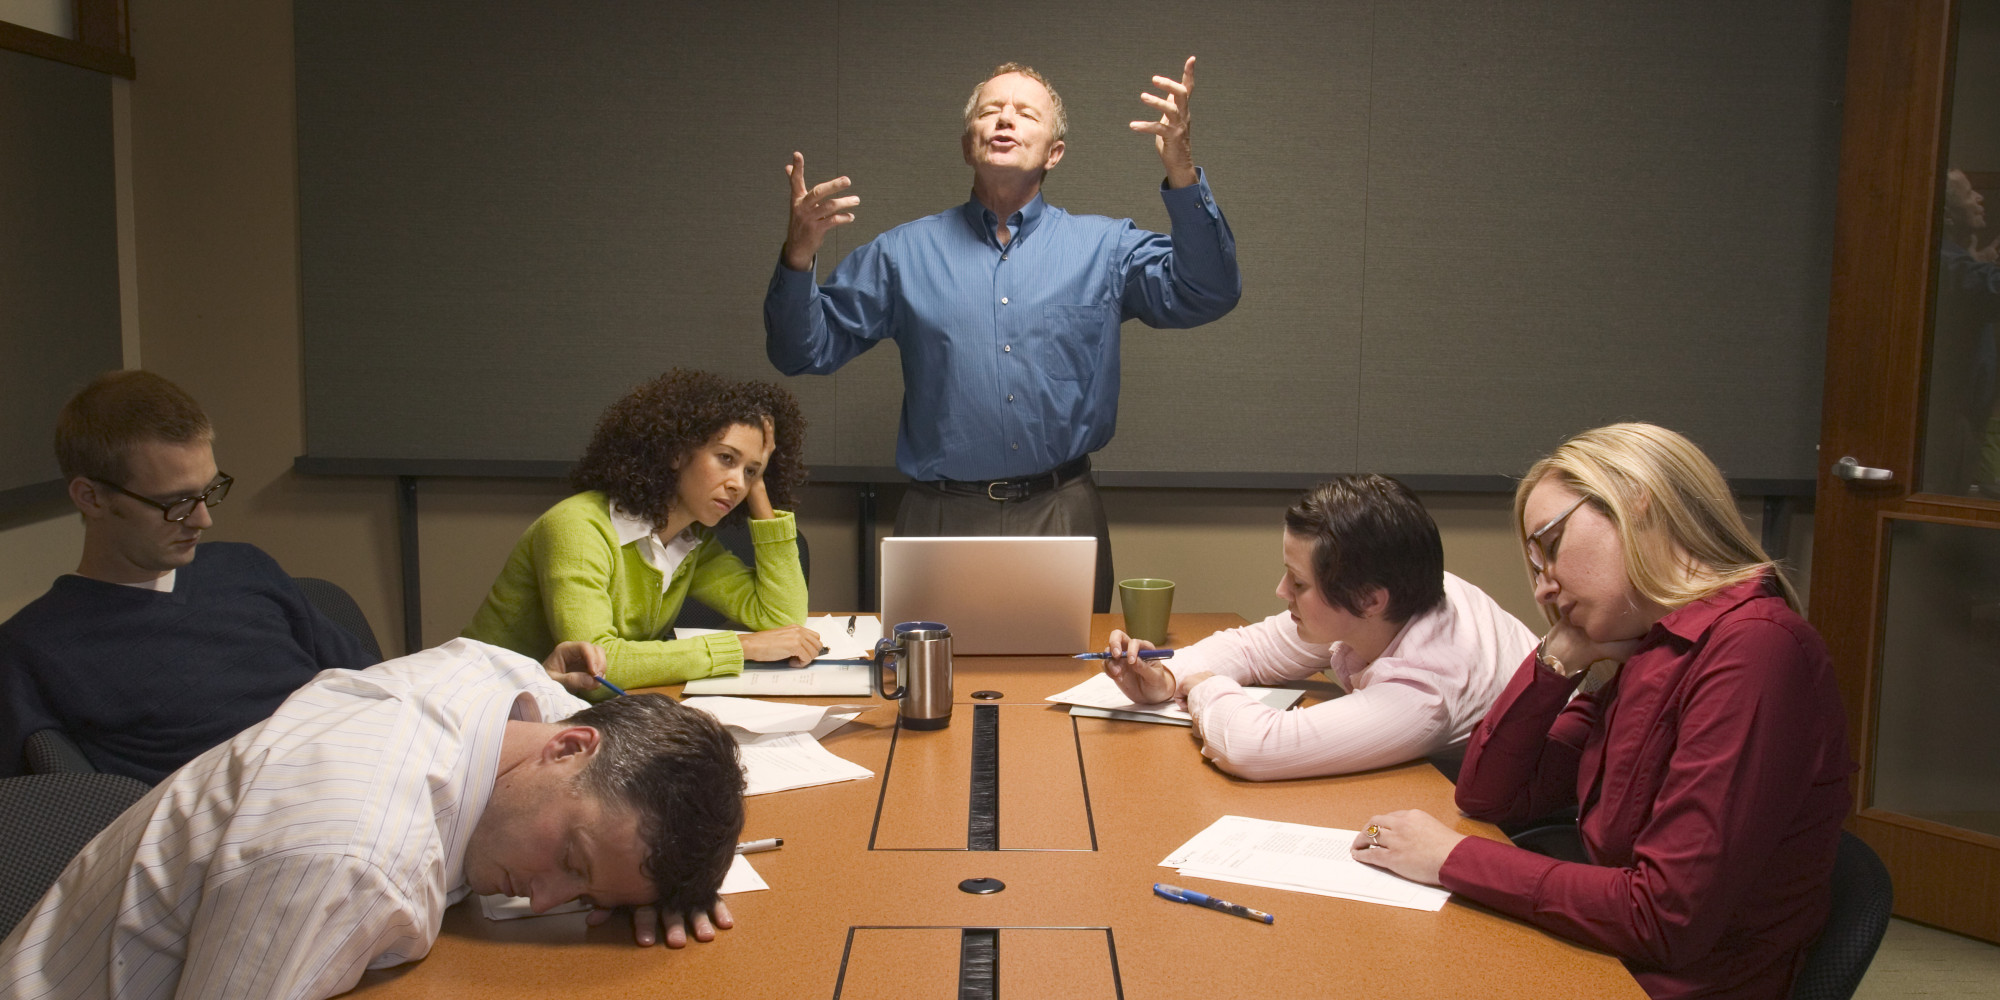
814,212
1172,136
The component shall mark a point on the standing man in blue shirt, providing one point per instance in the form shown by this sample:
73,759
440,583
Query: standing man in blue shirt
1006,310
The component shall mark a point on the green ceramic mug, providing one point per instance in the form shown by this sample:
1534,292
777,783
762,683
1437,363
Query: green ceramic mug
1148,603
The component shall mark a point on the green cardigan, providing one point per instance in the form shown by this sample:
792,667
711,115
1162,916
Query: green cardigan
568,578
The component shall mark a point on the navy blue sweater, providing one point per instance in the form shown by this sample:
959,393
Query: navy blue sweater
145,681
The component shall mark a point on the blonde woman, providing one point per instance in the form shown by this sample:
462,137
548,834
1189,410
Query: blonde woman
1710,773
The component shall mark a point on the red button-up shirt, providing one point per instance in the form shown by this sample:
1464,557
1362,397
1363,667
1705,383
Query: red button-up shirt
1711,774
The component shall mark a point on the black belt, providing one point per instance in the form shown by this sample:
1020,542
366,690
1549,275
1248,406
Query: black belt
1020,488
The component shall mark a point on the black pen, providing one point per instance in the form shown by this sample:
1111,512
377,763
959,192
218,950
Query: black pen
850,624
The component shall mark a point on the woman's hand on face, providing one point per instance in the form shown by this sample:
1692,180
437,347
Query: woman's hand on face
1569,644
1411,843
756,498
1146,682
795,643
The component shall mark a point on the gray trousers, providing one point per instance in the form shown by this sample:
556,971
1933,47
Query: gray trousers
1070,509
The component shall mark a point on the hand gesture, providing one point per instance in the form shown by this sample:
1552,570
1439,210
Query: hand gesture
758,499
1576,650
796,643
1146,682
646,924
1171,135
1988,254
813,213
576,666
1411,843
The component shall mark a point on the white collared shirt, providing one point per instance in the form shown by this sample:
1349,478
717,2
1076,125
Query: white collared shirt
164,583
663,556
324,841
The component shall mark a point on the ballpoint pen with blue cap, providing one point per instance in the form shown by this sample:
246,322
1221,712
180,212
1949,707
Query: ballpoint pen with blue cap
1144,654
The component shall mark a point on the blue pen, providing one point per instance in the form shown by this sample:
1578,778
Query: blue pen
1144,654
615,689
1180,895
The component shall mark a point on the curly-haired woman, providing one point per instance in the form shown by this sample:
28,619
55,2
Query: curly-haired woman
612,564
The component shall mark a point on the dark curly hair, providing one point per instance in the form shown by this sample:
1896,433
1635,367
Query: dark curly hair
640,438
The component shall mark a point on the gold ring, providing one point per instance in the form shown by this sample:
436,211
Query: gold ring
1371,833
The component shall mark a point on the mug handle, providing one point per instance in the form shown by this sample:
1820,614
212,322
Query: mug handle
884,656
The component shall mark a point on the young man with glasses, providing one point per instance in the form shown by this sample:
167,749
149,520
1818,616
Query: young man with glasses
156,648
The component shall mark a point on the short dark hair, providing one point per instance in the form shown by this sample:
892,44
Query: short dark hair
1371,531
99,425
678,769
640,438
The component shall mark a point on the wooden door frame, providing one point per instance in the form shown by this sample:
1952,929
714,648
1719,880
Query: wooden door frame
1894,129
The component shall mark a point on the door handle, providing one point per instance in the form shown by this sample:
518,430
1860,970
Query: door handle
1852,471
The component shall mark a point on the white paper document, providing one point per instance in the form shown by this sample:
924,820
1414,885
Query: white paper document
498,907
1297,857
1099,697
833,635
778,761
742,878
762,717
819,680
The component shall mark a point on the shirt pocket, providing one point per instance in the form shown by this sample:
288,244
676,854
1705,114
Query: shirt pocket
1073,340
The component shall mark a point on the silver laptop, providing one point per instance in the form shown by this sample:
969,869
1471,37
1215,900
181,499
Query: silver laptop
998,595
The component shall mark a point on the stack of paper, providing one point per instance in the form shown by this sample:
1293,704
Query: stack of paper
1296,857
780,741
740,878
1100,698
841,671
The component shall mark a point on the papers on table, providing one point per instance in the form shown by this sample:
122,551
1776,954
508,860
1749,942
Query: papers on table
780,741
761,717
833,680
1296,857
1099,697
498,907
740,878
839,672
778,761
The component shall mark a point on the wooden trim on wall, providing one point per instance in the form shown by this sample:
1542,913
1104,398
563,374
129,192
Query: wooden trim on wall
103,39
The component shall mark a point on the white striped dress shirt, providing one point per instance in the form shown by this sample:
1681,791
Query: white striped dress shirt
1426,691
319,843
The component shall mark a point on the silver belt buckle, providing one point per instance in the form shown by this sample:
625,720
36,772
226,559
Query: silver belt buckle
997,484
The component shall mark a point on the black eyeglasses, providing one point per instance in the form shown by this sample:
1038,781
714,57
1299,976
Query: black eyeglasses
1539,553
180,510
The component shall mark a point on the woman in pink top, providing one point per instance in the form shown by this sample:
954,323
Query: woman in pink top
1420,653
1710,772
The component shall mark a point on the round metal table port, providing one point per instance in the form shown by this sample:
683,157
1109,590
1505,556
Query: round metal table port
988,695
981,886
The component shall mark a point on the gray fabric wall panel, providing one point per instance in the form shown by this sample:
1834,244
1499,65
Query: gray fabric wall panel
509,216
1651,202
58,252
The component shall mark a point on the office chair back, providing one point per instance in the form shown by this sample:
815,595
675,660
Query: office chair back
735,538
51,751
338,605
1862,897
45,819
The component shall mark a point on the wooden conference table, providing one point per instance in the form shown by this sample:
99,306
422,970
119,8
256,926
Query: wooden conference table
865,899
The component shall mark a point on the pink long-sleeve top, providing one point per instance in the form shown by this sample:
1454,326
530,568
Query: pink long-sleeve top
1712,772
1426,691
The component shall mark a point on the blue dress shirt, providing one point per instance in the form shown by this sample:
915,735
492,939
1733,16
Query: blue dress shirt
1010,354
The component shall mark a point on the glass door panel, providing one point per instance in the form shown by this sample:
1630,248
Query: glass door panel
1937,739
